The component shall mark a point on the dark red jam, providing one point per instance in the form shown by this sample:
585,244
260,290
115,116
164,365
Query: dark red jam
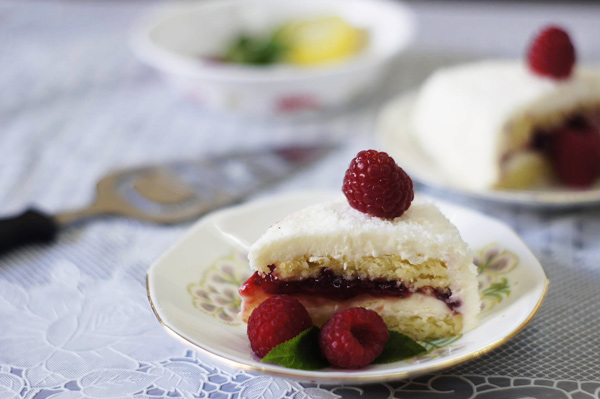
338,288
543,140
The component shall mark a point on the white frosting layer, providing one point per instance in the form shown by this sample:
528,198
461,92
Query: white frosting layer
337,230
462,111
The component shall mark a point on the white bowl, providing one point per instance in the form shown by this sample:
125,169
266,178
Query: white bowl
178,40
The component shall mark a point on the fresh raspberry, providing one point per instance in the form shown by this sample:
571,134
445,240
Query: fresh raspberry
576,155
276,320
551,53
375,185
353,338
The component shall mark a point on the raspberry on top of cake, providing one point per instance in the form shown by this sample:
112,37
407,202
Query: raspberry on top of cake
514,124
409,264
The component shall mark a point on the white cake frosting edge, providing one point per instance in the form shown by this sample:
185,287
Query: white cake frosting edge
335,229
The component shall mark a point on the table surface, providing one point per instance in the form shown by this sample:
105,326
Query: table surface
76,103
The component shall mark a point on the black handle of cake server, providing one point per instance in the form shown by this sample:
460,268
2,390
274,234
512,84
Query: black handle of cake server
31,226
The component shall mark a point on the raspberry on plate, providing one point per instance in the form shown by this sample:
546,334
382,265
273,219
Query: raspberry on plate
375,185
576,155
551,53
353,338
276,320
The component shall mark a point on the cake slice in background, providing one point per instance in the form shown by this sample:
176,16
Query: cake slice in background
514,123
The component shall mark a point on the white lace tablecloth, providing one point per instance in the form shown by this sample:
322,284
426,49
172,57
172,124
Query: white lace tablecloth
74,318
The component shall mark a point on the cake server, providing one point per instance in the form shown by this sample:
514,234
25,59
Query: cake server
169,193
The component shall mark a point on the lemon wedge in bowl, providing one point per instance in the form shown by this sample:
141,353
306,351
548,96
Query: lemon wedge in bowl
320,40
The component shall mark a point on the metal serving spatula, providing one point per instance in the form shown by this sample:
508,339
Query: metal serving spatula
169,193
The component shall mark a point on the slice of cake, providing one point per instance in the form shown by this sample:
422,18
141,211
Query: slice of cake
413,269
514,124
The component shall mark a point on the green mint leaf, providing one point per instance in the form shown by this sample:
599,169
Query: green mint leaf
399,347
301,352
254,50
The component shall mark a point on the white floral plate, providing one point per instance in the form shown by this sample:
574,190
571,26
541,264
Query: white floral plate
193,289
395,135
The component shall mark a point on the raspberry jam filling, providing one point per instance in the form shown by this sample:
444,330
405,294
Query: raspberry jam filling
338,288
573,149
543,140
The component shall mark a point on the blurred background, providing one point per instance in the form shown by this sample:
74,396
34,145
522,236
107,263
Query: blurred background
85,92
77,101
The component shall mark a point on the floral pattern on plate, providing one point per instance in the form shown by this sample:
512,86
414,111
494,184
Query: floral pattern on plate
493,265
217,292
